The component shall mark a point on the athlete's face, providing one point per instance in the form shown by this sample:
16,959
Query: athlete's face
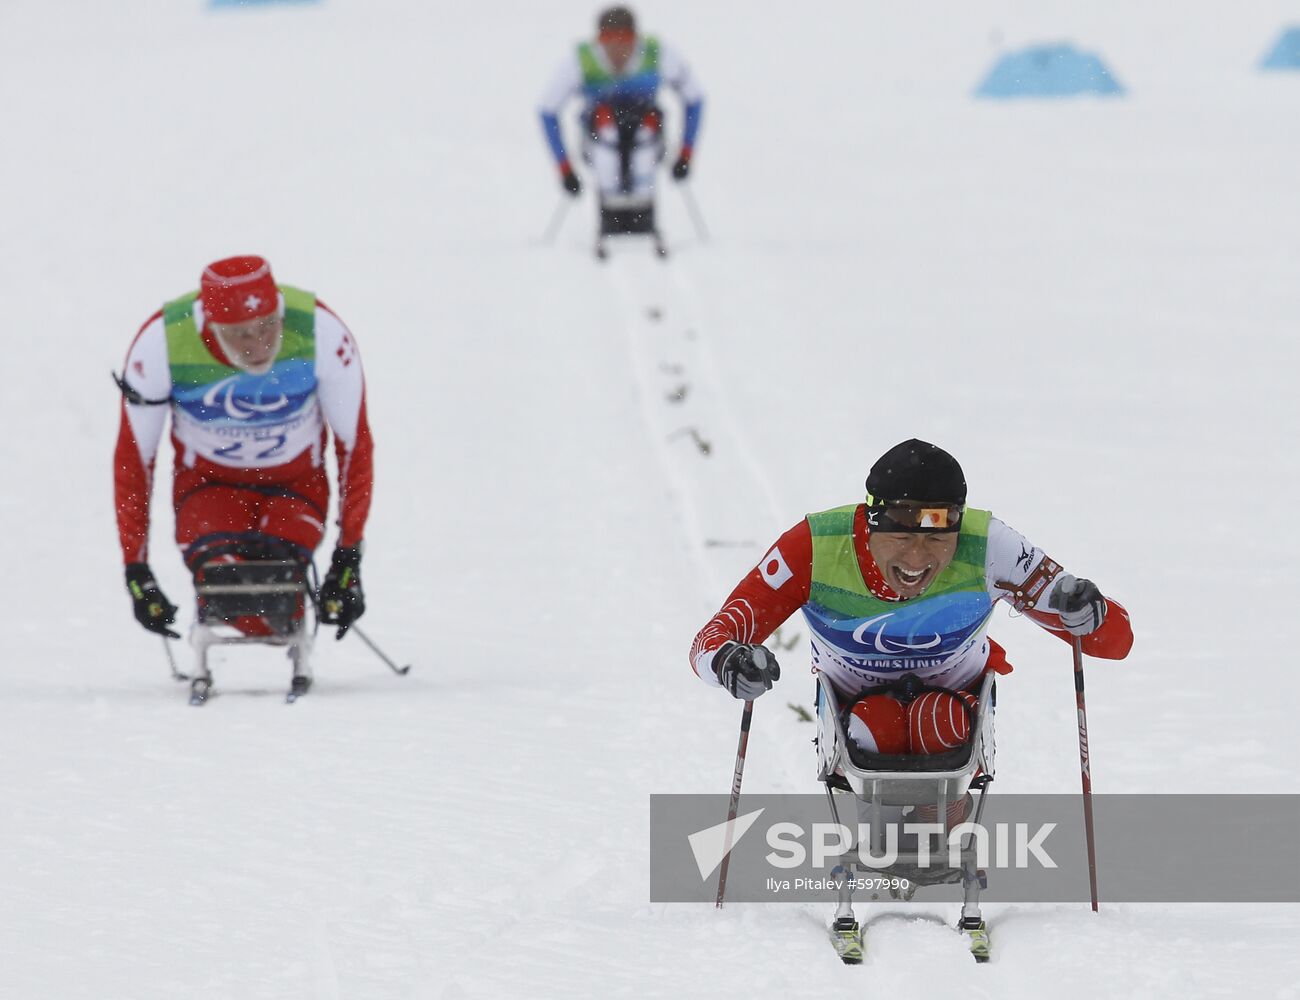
251,345
619,44
910,560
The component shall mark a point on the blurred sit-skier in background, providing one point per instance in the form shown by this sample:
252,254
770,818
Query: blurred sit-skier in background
618,76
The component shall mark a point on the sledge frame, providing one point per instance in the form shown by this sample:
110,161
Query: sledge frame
883,786
273,588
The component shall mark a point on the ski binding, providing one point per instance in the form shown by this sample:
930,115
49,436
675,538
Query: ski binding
978,933
846,936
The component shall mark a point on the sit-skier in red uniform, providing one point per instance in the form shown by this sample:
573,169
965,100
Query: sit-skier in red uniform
904,583
255,376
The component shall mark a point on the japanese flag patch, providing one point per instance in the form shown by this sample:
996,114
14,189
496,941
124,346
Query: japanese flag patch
774,569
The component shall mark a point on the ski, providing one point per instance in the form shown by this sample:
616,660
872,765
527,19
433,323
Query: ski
978,932
300,686
847,939
658,246
200,689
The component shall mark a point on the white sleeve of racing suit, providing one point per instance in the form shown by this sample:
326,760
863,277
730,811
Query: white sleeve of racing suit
341,389
566,83
674,72
1017,570
340,381
147,372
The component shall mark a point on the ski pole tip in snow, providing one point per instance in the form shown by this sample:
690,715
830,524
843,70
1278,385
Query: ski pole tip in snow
388,661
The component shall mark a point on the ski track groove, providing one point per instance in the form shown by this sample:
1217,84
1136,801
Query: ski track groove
706,321
678,339
626,312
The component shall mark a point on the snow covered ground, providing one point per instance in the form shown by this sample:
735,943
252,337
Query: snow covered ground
1093,304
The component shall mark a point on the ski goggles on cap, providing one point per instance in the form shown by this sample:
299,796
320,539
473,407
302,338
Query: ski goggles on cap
926,517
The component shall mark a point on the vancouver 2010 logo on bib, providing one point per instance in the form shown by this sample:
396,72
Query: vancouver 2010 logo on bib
224,392
245,399
929,627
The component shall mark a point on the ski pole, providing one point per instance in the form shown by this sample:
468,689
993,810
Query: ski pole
315,602
735,799
402,671
557,219
701,230
1084,768
171,661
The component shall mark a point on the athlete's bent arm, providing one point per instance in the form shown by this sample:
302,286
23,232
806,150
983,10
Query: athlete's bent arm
769,594
341,386
678,76
565,85
139,433
1023,575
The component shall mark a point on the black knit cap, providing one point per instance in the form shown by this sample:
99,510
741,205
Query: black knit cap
616,19
916,470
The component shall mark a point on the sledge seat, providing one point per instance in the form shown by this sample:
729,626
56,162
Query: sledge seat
272,590
904,779
275,589
888,788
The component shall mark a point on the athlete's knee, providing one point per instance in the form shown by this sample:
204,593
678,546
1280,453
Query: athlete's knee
213,509
940,720
933,722
878,724
295,522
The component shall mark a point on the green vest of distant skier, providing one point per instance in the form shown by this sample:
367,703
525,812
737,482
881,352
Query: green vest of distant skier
255,377
898,591
617,77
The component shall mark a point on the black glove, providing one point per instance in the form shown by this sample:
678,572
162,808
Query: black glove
152,609
683,165
571,183
744,670
341,600
1079,603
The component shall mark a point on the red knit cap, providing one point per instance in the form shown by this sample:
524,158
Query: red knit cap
238,289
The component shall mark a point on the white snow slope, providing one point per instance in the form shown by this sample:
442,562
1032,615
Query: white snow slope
1092,303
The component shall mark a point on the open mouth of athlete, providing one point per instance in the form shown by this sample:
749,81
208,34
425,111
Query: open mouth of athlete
903,578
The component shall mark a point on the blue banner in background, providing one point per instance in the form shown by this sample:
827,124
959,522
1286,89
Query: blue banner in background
259,3
1049,71
1286,53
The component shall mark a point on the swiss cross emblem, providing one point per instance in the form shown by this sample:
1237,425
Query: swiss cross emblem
252,302
344,352
139,367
